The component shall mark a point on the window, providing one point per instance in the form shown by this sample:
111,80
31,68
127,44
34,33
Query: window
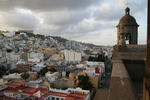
49,98
46,99
53,98
57,98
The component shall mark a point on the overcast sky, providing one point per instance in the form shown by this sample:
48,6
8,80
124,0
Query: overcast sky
92,21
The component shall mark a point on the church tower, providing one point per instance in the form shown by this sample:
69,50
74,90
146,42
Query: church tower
127,29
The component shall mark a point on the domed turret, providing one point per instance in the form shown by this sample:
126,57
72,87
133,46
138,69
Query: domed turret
127,29
127,19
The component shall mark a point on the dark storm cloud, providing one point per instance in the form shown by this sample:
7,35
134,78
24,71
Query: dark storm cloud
46,5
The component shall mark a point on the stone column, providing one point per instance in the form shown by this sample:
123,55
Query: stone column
148,43
148,50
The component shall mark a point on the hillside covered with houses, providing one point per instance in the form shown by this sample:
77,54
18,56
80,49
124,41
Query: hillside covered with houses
50,64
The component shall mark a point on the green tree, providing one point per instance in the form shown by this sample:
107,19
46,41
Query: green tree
25,75
2,71
91,58
84,82
52,70
45,70
14,71
100,58
67,73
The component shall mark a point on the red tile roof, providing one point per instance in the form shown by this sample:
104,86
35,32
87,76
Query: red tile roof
15,84
29,91
70,96
6,98
19,88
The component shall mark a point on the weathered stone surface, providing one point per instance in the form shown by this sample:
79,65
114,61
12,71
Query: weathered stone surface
129,52
127,29
128,66
121,89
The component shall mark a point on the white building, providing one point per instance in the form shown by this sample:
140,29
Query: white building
38,67
12,76
94,68
72,56
8,34
2,57
68,94
90,63
35,57
90,71
21,61
52,76
2,82
12,57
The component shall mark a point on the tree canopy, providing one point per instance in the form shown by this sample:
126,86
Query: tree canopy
84,82
45,70
25,75
2,71
99,58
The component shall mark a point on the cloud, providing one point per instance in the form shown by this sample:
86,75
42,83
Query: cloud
135,5
47,5
105,12
21,19
63,17
85,20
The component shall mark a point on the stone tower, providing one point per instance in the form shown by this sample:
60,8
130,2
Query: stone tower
127,29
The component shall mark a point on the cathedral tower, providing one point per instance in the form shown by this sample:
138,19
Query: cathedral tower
127,29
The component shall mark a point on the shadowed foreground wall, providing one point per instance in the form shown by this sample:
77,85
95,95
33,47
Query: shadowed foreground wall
127,72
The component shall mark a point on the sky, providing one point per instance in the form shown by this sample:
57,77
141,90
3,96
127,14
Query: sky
89,21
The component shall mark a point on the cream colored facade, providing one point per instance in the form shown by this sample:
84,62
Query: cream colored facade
72,56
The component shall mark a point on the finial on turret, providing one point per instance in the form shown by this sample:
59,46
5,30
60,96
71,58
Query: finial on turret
127,11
